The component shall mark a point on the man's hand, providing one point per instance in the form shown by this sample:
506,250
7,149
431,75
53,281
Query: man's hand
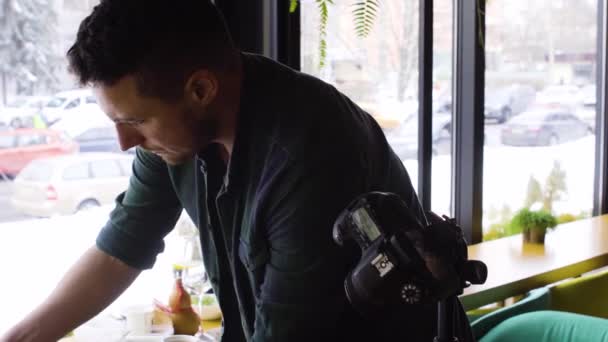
94,282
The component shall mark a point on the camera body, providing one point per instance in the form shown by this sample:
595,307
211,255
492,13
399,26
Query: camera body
391,272
404,261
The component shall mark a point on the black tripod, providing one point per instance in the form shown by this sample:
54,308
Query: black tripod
469,272
445,321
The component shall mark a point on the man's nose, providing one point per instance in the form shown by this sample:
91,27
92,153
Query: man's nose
128,136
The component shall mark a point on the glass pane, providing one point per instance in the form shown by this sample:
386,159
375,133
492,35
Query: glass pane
7,141
441,179
77,171
127,166
37,171
379,72
539,110
105,169
37,218
25,140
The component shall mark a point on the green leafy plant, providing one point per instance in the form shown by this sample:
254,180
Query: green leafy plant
293,5
364,13
533,224
533,220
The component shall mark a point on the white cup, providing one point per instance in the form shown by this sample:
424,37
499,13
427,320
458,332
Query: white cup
180,338
139,319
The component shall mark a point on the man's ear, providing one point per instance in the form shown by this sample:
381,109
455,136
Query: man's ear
202,87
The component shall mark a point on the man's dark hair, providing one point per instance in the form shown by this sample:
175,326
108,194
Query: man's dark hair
160,42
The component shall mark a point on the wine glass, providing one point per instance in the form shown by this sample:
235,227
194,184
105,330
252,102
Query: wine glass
194,276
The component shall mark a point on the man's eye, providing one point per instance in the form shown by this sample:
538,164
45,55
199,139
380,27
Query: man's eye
135,122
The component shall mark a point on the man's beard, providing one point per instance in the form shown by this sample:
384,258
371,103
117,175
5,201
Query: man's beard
204,129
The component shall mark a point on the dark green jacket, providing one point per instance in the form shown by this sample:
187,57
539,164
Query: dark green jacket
303,151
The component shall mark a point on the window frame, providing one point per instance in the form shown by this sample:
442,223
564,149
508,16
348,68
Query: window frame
277,35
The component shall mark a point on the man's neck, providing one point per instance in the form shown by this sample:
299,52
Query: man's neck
228,107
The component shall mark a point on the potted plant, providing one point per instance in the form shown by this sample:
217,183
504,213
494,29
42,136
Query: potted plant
532,224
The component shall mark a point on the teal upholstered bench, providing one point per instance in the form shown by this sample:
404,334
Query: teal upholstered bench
538,299
549,326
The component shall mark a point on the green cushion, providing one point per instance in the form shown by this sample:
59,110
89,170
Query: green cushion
550,326
587,295
537,299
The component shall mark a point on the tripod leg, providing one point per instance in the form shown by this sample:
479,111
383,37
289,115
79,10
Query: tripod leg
445,321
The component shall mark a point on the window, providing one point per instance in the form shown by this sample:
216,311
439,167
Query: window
379,72
56,102
76,172
127,166
105,169
73,104
37,171
7,141
540,109
441,183
35,37
71,5
98,133
30,140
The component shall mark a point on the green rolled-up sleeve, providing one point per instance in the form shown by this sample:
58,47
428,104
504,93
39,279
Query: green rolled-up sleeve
144,214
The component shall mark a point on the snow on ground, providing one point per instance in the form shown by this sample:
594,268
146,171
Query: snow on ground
34,254
507,171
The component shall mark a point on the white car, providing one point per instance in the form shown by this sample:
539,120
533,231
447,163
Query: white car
66,184
587,110
18,113
65,102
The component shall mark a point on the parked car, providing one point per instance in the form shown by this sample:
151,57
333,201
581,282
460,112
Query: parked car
19,147
19,112
404,141
65,102
548,126
502,104
66,184
91,129
98,139
390,114
587,110
587,113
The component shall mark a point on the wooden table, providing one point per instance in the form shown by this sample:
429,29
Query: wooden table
515,268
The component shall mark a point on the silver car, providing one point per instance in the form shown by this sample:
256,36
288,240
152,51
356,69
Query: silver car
67,184
542,127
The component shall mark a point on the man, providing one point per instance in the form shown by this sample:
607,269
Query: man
261,157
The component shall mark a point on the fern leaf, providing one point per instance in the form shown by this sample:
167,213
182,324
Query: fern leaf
293,5
364,16
324,15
